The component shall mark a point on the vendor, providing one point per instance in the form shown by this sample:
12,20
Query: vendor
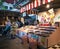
36,22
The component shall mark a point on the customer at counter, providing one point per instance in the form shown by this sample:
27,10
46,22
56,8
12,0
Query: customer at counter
13,29
20,24
36,22
26,23
7,27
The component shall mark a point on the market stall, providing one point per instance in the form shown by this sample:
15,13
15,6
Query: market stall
39,34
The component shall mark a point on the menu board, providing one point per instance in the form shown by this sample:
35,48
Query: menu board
46,17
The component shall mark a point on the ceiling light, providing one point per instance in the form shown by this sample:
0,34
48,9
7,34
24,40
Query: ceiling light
48,6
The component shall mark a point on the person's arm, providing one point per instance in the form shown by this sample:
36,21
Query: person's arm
6,28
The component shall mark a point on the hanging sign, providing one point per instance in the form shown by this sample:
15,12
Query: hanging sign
27,7
43,1
39,2
32,5
22,9
49,0
46,1
35,4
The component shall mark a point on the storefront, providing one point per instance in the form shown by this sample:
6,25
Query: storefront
46,33
48,18
51,16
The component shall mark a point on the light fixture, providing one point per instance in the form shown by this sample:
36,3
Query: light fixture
48,6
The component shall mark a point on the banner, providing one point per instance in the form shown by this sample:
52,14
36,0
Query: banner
32,5
21,10
24,8
49,0
27,7
35,3
43,2
39,2
46,1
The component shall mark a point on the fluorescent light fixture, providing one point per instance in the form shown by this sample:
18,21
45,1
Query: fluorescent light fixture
15,10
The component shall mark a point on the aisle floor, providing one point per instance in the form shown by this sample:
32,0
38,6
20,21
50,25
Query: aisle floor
12,44
57,46
16,44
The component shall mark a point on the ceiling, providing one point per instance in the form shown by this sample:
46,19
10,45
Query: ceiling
19,3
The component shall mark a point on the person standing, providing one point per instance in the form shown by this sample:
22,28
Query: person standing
7,28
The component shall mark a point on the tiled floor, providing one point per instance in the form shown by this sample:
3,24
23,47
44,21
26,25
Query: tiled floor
12,44
16,44
55,46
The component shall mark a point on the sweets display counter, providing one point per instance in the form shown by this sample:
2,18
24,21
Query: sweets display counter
43,33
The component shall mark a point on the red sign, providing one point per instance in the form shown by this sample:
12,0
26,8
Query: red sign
49,0
39,2
46,1
27,7
21,10
43,2
32,5
35,3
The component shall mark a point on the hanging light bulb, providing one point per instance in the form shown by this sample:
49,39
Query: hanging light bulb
48,6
